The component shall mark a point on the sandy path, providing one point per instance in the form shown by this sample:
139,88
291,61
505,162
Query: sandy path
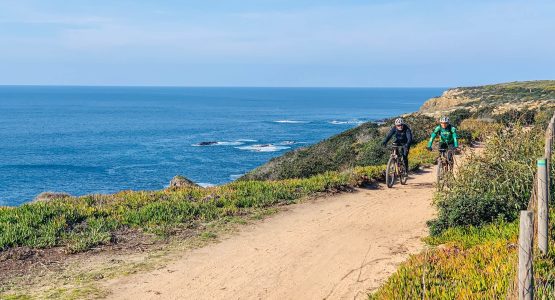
334,248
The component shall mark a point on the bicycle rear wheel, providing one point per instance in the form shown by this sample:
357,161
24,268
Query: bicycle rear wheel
390,172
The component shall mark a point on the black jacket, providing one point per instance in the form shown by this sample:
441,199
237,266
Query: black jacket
403,136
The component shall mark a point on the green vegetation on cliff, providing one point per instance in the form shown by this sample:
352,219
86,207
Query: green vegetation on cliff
496,99
360,146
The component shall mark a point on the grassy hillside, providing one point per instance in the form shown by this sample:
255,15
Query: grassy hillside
80,223
490,100
360,146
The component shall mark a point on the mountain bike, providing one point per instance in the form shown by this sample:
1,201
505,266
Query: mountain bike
395,167
445,164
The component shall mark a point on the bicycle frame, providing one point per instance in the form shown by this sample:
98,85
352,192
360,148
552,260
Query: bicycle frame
395,154
397,167
444,155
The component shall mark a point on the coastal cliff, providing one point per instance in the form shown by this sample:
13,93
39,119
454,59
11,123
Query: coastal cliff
362,145
493,99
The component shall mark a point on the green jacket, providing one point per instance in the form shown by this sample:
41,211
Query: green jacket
447,135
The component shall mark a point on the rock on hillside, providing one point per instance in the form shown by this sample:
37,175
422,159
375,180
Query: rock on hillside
49,196
496,98
179,181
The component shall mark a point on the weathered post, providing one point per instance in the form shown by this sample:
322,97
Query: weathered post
549,141
525,258
543,209
548,154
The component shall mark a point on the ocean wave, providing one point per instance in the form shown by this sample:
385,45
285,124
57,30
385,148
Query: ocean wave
215,143
349,122
289,143
285,143
264,148
205,184
290,122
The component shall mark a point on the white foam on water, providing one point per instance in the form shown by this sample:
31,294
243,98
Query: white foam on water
235,176
290,121
349,122
285,143
263,148
205,184
223,143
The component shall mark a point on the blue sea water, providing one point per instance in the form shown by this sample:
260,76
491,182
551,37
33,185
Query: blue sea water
83,140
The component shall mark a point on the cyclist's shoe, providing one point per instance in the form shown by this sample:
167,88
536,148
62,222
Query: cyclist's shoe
429,148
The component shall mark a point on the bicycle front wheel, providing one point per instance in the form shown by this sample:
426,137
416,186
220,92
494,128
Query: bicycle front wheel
439,172
403,174
390,172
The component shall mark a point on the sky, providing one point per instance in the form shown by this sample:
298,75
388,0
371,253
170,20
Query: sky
335,43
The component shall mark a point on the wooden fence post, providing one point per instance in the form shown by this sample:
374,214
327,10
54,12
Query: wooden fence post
525,256
543,209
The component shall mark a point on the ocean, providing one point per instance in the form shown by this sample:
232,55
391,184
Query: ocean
83,140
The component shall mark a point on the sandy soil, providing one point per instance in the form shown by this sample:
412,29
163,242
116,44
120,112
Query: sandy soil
339,247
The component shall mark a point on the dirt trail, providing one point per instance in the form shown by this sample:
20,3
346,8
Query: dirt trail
337,247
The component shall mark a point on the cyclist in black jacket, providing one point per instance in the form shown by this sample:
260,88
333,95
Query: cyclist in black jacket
403,137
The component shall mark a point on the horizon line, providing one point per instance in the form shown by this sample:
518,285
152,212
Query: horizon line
215,86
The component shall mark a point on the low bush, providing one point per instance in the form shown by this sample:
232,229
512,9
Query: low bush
481,272
491,186
470,263
480,129
516,116
459,115
544,116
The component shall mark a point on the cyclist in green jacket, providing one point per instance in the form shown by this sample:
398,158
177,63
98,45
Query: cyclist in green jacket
447,135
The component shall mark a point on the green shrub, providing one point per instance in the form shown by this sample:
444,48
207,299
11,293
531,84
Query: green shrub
480,129
495,185
372,153
544,116
482,269
459,115
514,116
471,263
